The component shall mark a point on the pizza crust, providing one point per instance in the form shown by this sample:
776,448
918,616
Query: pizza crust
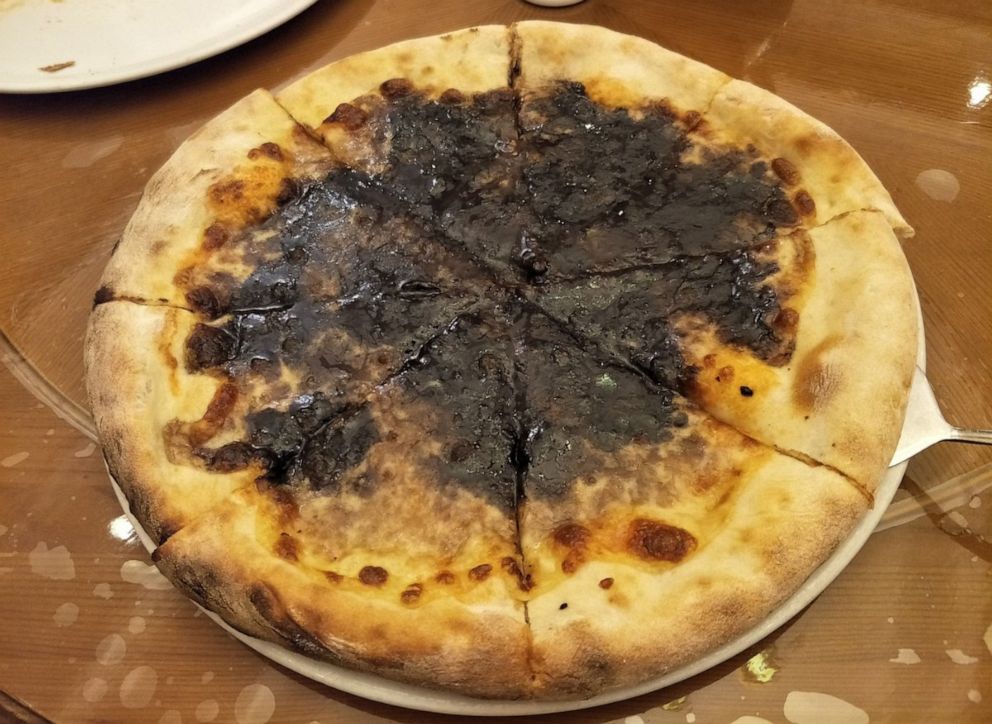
474,60
229,174
829,170
617,70
474,643
137,386
785,521
841,398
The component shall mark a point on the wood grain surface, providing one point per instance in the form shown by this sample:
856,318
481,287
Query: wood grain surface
88,632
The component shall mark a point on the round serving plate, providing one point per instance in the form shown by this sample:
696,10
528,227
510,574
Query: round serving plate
48,46
377,688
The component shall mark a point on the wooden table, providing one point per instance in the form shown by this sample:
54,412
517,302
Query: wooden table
88,632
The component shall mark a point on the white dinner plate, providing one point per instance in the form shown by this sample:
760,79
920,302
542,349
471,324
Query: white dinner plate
109,41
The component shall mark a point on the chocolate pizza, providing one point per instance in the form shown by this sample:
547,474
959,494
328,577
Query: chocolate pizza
524,361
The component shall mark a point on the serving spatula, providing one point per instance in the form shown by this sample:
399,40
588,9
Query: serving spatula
925,425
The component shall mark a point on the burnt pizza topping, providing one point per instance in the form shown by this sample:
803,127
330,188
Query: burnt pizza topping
512,266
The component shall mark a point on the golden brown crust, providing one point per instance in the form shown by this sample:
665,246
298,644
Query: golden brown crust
474,642
137,386
474,60
617,70
229,174
841,398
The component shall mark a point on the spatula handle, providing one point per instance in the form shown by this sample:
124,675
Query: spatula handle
963,435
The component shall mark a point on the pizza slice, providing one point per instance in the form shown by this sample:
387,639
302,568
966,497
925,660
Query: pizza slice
431,123
652,532
617,176
142,397
231,174
389,542
773,341
840,396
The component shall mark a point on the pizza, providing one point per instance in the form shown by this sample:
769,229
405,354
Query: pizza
528,361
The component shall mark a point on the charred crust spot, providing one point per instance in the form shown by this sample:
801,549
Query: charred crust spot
167,529
272,610
282,498
606,584
656,541
373,575
807,207
692,119
746,391
494,99
396,88
452,96
480,572
268,150
215,236
348,116
221,405
786,321
512,567
572,562
103,295
662,108
204,300
230,457
265,602
780,212
571,535
227,192
445,578
208,347
288,190
183,277
333,576
784,169
412,593
286,547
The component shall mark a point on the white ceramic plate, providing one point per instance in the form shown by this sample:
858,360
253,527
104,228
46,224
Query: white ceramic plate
376,688
109,41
